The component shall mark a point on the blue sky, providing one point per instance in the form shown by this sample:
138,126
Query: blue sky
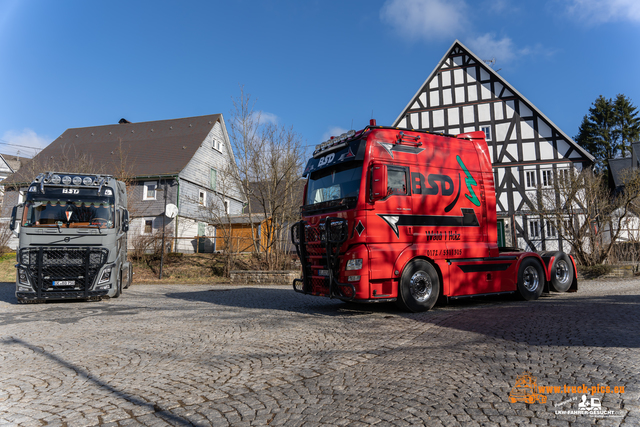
321,67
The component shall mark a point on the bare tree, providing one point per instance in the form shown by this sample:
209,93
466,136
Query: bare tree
586,214
71,160
270,160
215,210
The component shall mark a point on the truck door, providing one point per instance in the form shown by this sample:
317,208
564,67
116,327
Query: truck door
391,195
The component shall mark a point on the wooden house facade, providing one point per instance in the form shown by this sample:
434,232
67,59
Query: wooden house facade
528,151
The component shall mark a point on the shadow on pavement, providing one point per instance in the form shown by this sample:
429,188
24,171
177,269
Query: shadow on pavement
8,295
8,292
573,320
284,299
592,321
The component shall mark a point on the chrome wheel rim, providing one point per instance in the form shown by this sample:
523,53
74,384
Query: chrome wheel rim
562,271
530,279
420,286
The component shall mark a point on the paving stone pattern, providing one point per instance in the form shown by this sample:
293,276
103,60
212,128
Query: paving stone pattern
264,355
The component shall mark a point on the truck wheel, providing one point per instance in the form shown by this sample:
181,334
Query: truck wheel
118,286
561,273
129,278
419,286
530,279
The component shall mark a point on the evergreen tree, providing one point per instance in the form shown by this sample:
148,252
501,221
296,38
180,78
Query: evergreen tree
609,129
627,123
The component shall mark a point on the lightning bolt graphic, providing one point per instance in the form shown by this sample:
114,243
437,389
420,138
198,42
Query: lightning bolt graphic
469,181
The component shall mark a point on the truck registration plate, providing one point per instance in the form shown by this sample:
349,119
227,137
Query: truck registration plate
64,283
323,272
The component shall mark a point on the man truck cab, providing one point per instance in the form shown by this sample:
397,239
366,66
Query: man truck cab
409,216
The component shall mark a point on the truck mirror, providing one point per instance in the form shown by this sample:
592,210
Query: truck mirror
378,182
14,213
125,220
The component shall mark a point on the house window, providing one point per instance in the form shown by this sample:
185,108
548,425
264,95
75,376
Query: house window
147,226
149,190
547,178
551,230
563,176
531,178
214,179
215,144
534,228
226,206
487,132
202,197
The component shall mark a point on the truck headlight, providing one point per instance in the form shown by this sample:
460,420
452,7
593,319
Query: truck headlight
106,275
354,264
23,279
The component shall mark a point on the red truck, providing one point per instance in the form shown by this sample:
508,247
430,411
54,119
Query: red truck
409,216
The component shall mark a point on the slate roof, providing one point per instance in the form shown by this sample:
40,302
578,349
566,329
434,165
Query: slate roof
13,161
256,218
157,148
618,166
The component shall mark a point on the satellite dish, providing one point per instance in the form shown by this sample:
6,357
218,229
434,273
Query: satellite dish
171,210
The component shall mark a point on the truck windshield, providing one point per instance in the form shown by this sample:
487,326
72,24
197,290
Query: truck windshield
334,184
90,213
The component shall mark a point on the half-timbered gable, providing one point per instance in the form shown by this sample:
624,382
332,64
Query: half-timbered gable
527,150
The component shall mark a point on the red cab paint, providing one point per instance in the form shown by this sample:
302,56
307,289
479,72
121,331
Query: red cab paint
409,216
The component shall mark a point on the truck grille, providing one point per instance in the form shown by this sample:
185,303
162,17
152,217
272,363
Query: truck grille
46,265
313,257
316,264
319,247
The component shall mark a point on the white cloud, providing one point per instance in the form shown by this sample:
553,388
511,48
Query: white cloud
488,46
27,139
425,19
263,117
333,131
601,11
500,6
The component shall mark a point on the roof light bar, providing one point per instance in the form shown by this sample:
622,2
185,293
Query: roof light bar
333,144
58,178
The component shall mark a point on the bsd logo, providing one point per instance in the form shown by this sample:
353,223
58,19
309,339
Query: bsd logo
326,160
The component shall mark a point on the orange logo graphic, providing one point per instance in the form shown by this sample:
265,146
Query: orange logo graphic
526,390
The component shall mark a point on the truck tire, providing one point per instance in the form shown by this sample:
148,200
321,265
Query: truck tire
561,273
419,286
118,286
129,277
530,279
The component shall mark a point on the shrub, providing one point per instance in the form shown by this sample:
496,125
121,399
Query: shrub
595,271
149,246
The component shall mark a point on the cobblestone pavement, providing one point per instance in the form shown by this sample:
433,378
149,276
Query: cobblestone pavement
260,355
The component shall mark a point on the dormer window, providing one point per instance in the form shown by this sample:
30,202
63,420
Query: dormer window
149,190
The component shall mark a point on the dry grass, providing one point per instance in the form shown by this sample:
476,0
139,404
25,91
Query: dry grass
7,267
177,268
